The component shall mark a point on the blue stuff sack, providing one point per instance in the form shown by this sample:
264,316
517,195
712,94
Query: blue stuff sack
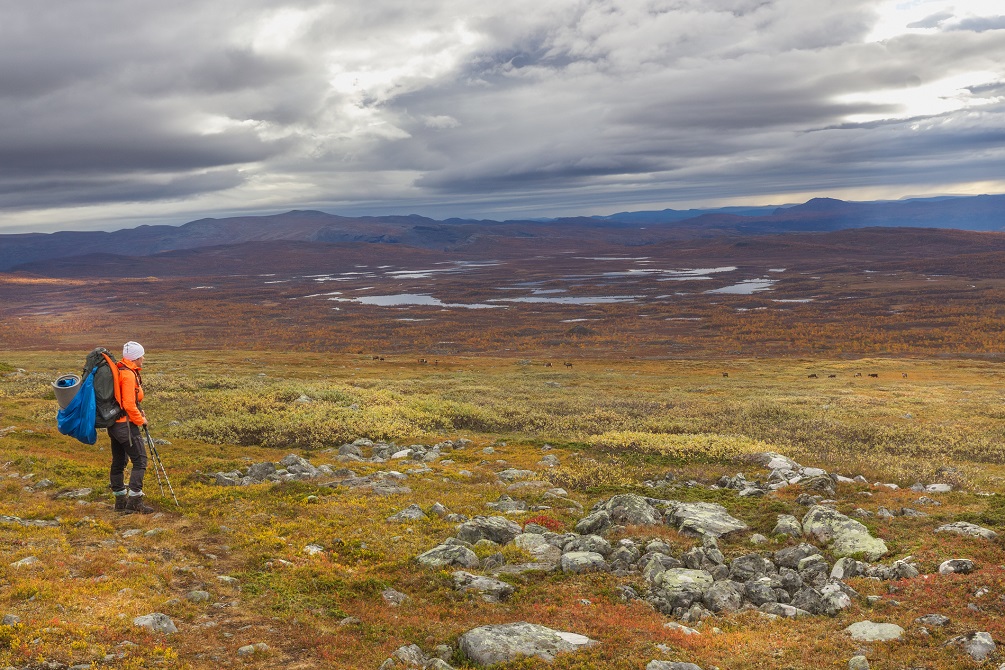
77,420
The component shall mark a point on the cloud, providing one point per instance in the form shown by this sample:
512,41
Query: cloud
479,109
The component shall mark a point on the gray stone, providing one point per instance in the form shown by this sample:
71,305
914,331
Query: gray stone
156,623
787,525
538,547
593,543
11,620
629,509
847,536
411,513
868,631
512,475
261,470
938,488
392,597
724,596
858,663
697,519
962,566
834,599
494,528
783,610
198,596
410,656
680,587
933,620
595,523
505,642
671,665
25,562
445,555
978,645
967,529
583,561
491,590
74,493
222,479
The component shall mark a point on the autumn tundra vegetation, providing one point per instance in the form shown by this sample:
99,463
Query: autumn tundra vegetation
321,447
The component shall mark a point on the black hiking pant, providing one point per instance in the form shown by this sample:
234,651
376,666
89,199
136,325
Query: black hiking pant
126,442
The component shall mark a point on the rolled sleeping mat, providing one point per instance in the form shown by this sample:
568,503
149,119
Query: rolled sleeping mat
66,388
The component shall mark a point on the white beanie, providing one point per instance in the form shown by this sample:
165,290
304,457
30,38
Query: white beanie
132,351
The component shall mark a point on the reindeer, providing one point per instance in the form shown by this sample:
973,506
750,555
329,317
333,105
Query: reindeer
831,376
547,365
812,376
725,374
568,364
903,375
873,374
858,374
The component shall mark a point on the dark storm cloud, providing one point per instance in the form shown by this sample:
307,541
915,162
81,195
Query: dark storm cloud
442,105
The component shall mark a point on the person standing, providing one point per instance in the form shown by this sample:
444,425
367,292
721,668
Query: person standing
125,435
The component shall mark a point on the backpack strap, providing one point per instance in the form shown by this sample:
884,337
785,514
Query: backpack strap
114,367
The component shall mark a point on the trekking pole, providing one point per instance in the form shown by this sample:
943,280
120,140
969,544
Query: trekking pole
160,463
157,472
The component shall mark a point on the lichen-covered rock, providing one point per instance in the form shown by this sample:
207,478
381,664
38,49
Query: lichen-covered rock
538,547
594,524
968,529
495,528
491,590
505,642
411,513
445,555
868,631
723,596
629,509
960,566
787,525
978,645
583,561
697,519
671,665
156,623
846,536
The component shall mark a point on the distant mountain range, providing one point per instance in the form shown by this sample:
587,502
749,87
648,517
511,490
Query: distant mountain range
978,213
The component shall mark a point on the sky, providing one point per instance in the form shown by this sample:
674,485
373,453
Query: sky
115,113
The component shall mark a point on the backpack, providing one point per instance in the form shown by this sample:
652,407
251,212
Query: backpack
100,364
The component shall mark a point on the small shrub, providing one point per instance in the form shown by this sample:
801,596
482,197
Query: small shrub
548,522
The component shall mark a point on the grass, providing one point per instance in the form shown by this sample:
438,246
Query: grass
612,424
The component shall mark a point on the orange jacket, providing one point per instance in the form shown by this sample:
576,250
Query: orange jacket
131,392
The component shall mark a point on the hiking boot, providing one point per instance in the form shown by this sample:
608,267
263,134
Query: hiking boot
136,504
120,503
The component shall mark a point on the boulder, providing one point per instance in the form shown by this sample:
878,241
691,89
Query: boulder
583,561
261,470
411,513
538,547
787,525
968,529
933,620
783,610
960,566
671,665
495,528
445,555
491,590
697,519
156,623
501,643
868,631
596,523
723,596
847,536
629,509
977,645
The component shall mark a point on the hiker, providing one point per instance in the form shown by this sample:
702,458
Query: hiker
125,435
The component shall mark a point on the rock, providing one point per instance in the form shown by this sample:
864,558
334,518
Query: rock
671,665
494,528
968,529
511,475
507,504
847,536
11,620
198,596
783,610
222,479
445,555
411,513
775,461
697,519
74,493
594,524
629,509
833,599
156,623
491,590
261,470
933,620
410,656
867,631
962,566
250,649
25,562
437,664
392,597
858,663
846,568
228,580
583,561
505,642
680,587
938,488
787,525
538,547
757,538
978,645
